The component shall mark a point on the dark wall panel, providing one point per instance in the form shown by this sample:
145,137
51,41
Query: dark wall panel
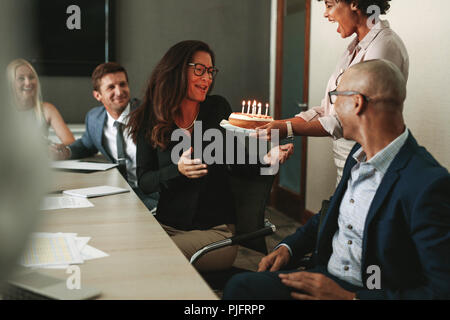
237,30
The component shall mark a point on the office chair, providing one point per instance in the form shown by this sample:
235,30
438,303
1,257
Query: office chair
251,193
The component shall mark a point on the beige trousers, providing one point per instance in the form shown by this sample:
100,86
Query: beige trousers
189,242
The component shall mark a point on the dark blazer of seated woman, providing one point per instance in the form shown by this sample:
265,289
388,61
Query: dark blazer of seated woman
188,204
196,204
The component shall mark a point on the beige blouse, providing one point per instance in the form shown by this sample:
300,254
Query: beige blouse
380,43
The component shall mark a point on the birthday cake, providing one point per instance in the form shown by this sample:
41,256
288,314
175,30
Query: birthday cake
248,121
252,118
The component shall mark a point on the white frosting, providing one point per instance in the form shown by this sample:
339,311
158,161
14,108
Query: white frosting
249,117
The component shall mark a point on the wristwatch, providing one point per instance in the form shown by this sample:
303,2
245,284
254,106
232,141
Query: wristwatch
290,132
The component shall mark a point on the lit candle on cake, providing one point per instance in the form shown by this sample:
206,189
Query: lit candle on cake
259,108
243,106
267,109
249,106
254,107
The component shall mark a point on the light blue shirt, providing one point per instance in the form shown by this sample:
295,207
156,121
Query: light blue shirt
365,178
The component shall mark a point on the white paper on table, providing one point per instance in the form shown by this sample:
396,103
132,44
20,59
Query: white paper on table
65,202
80,165
82,242
91,253
47,249
92,192
87,252
46,234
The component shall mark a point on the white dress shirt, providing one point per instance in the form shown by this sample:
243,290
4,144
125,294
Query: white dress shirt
109,141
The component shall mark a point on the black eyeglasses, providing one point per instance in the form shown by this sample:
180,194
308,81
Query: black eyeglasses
334,94
200,69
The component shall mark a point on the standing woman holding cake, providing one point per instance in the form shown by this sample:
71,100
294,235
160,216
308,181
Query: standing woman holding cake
374,40
196,205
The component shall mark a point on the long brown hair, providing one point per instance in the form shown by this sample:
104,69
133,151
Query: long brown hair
166,89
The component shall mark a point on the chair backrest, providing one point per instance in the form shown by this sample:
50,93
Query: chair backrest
251,194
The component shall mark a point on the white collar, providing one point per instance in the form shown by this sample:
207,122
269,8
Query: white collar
123,118
383,159
367,40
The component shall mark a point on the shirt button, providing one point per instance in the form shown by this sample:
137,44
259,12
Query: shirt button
350,227
346,268
350,242
352,201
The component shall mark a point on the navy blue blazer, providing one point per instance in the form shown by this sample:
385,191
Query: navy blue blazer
407,230
92,140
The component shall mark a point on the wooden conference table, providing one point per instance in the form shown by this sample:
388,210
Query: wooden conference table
143,261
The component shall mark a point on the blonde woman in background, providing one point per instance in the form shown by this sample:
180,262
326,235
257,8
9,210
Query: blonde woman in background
26,93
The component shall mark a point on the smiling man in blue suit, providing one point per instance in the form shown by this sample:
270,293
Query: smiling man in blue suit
386,234
105,127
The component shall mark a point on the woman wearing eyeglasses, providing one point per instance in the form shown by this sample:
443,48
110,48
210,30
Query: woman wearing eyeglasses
195,206
374,40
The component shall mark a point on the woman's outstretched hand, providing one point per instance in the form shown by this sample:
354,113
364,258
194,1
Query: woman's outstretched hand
265,132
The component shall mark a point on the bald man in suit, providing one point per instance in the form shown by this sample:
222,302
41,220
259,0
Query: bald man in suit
386,233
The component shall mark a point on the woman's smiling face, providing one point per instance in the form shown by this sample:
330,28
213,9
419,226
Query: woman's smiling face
344,14
198,86
25,85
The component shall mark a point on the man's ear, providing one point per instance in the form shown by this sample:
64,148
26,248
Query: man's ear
97,95
360,104
353,6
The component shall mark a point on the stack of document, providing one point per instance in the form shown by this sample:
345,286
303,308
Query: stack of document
64,202
81,165
93,192
59,251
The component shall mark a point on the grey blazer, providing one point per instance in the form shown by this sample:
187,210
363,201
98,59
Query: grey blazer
92,140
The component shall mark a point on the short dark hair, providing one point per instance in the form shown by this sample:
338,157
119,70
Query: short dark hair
104,69
364,4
